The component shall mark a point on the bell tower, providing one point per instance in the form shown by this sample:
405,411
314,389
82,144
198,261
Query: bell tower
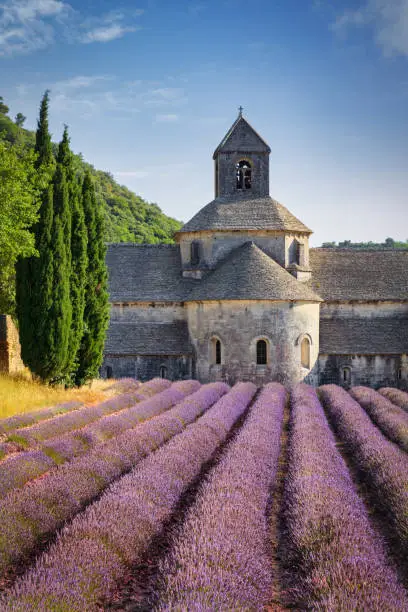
242,163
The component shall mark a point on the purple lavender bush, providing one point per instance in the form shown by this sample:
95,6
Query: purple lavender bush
382,464
339,560
29,515
220,560
30,418
58,425
93,553
391,419
396,396
66,447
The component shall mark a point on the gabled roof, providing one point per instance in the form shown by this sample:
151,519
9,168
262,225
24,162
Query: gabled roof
148,338
361,336
350,274
242,137
245,214
249,274
145,272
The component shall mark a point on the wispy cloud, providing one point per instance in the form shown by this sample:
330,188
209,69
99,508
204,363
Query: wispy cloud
162,171
169,118
164,96
109,26
107,33
29,25
388,19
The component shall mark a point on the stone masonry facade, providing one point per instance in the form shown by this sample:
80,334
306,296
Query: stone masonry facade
241,296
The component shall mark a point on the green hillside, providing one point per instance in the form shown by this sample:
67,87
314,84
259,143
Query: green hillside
128,217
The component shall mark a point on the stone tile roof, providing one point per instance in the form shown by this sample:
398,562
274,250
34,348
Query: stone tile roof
263,213
348,274
377,335
249,274
148,339
231,144
144,273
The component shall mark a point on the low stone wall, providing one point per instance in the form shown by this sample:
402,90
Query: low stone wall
10,349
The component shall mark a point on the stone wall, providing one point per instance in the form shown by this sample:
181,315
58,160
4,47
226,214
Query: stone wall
10,349
369,370
226,175
239,325
215,246
146,367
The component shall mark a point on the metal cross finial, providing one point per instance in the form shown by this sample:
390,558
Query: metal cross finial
240,111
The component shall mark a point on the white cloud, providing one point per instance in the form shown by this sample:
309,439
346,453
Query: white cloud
387,18
79,82
29,25
26,25
166,118
107,33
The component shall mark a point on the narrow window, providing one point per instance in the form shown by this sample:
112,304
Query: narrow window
218,352
109,372
305,353
195,253
261,352
243,175
399,374
346,375
163,372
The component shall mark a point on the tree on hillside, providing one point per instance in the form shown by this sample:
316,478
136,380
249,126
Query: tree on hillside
20,119
96,316
78,254
18,205
4,109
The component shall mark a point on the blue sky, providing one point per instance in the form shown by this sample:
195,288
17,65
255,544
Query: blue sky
149,88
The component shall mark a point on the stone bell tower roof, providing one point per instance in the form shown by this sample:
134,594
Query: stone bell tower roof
242,138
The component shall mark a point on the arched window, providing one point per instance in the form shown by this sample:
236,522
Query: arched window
216,351
109,372
305,353
243,175
261,352
163,371
399,374
195,253
346,376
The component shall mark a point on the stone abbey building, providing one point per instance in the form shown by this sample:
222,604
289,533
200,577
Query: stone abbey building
242,297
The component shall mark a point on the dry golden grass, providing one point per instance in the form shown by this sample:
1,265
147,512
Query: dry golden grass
20,394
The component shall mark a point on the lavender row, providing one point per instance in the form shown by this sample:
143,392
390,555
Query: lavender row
28,516
92,554
66,447
22,467
339,559
396,396
383,465
79,418
124,385
30,418
391,419
220,560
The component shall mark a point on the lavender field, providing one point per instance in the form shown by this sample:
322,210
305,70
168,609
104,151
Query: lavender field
181,496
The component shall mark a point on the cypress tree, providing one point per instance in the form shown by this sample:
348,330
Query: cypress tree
34,275
76,236
96,315
60,312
